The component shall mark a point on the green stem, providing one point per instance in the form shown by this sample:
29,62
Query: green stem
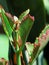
18,59
17,51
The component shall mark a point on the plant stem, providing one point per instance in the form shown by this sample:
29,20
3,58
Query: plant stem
17,51
18,56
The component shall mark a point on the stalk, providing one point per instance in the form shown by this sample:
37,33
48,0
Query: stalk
17,51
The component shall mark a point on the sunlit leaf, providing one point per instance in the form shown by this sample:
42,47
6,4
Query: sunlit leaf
24,14
6,25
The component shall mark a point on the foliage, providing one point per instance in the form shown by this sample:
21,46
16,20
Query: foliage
17,30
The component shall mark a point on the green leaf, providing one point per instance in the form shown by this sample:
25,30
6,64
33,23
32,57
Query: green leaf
25,28
30,47
32,51
24,14
6,25
42,40
34,54
10,19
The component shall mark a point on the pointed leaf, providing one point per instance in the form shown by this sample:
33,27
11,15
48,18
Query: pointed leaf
42,40
10,19
24,14
32,51
34,54
43,37
6,25
25,28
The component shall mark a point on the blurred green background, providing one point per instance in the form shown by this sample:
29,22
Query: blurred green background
4,46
